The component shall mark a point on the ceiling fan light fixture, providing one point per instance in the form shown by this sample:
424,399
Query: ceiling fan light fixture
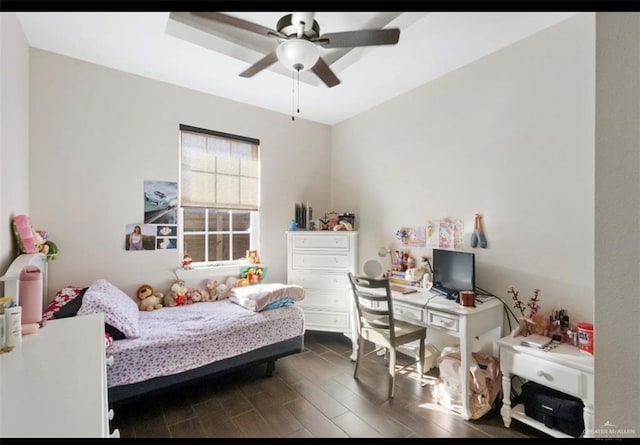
298,54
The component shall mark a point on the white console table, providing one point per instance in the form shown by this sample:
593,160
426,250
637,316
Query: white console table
54,384
448,317
565,368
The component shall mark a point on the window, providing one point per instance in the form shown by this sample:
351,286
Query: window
219,195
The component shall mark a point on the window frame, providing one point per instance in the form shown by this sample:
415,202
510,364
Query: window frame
254,222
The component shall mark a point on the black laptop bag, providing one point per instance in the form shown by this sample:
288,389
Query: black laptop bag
554,409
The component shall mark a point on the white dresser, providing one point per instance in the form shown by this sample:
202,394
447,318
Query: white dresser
319,261
55,383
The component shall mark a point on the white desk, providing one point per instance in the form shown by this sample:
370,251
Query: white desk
446,316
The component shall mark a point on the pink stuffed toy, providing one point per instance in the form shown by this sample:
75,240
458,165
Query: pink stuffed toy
25,235
33,241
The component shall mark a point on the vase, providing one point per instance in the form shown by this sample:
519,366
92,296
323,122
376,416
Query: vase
540,324
523,328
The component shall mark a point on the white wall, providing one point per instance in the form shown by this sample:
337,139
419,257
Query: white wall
97,134
509,136
14,132
617,221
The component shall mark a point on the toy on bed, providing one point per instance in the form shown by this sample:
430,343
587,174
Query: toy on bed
177,295
148,299
160,349
32,241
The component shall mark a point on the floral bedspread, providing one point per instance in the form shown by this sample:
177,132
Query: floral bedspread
176,339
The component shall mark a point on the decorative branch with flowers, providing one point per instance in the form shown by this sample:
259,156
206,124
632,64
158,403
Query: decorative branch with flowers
525,321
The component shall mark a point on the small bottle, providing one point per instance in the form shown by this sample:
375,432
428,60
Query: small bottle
13,326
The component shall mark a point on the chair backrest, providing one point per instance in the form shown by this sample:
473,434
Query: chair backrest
373,303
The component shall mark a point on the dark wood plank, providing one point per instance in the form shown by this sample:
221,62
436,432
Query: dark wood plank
252,424
354,426
188,428
311,394
313,420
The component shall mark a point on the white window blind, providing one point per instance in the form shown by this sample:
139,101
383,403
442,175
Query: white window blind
219,171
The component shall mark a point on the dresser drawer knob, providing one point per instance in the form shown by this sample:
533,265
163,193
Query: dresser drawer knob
110,414
110,360
541,373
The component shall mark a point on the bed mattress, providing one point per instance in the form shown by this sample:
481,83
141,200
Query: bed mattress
177,339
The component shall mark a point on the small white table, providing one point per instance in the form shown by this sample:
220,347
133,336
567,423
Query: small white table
564,368
55,383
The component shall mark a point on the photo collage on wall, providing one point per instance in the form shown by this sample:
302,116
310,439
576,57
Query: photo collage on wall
159,230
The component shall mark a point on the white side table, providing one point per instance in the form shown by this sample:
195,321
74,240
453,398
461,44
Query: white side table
565,368
55,383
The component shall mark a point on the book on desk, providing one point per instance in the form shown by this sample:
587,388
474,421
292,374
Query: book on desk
402,289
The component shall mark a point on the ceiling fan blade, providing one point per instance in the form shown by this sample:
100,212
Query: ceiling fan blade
261,64
322,70
365,37
240,23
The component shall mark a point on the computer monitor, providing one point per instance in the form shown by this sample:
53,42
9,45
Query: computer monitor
453,271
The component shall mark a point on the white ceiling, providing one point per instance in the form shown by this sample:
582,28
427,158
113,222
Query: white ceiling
163,47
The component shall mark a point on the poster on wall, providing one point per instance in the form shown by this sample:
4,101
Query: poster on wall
166,237
140,237
412,236
445,233
160,202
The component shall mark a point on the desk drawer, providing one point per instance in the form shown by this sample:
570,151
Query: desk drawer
442,320
407,313
549,374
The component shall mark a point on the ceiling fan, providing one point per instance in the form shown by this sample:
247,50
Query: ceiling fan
300,39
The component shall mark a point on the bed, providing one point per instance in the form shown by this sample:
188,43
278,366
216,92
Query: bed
165,348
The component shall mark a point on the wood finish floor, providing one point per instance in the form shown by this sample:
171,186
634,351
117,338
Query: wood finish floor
310,395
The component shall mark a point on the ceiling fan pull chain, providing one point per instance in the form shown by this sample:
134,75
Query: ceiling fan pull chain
298,91
293,94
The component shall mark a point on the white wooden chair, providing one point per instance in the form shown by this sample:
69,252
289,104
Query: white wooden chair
376,323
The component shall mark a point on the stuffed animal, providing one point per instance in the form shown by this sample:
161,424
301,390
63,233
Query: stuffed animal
177,295
32,241
194,296
206,295
222,291
148,300
212,288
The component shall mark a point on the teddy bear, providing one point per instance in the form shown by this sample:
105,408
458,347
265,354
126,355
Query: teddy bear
206,295
223,291
148,300
177,295
194,296
211,286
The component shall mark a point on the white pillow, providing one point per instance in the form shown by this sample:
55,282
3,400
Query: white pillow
120,311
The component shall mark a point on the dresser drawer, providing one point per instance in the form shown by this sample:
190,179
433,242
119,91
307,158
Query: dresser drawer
442,320
333,262
334,242
320,280
322,299
326,321
549,374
